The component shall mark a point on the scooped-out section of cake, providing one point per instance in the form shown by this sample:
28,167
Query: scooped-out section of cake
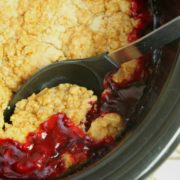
72,100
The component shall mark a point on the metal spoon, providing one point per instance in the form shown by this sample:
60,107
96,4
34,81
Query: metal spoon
90,72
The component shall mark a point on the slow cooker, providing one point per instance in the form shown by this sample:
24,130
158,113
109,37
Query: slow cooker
157,116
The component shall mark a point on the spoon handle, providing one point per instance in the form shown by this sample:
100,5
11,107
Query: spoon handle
153,40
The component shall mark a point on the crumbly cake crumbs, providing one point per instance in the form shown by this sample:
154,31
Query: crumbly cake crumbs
108,125
73,100
68,160
126,71
39,33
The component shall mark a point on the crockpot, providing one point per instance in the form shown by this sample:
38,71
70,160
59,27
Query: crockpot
157,116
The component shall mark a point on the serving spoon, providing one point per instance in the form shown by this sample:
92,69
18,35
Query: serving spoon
90,72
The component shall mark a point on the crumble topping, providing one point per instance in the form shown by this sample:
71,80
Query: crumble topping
107,125
73,100
126,71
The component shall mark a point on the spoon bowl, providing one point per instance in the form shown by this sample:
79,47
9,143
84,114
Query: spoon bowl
84,73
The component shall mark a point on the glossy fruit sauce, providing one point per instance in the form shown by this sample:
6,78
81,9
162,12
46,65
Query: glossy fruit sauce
42,156
139,12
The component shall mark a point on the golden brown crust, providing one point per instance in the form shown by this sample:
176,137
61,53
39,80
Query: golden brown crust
34,34
73,100
126,71
108,125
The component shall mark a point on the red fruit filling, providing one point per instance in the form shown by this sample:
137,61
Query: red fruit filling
42,154
139,12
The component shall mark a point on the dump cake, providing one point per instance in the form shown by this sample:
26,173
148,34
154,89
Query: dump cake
35,33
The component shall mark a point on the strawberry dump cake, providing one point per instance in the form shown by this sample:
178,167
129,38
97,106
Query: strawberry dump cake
67,125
